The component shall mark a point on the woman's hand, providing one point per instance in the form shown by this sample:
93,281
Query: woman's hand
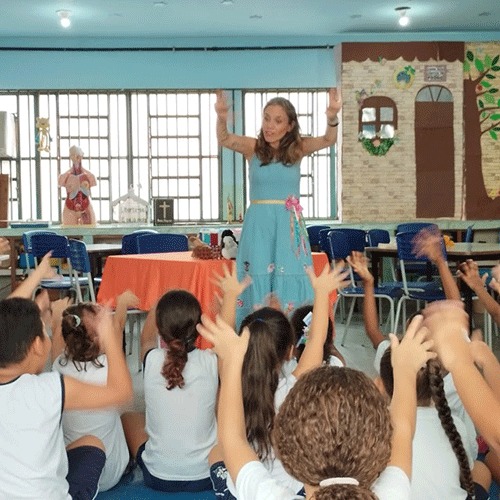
334,104
221,105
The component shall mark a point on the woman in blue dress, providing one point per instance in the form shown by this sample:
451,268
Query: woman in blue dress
274,248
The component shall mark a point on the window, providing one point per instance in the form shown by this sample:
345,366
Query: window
378,117
162,143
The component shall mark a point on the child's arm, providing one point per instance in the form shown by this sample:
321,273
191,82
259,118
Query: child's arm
469,272
407,358
28,286
448,325
323,285
488,363
428,244
118,388
123,302
149,334
357,260
230,349
58,344
231,289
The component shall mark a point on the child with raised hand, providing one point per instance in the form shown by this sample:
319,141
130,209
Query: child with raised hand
171,442
441,441
469,272
448,326
321,432
77,352
266,383
38,464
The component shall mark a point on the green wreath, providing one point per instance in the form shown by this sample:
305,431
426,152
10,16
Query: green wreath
380,150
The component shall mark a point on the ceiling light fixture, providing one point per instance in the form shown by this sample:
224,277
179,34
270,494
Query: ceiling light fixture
404,20
64,19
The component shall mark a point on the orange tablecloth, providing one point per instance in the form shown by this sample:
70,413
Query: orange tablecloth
149,276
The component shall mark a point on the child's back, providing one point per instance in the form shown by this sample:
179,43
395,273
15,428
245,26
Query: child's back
180,422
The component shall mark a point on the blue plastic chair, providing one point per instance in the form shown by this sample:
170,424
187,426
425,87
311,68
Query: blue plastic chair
340,248
415,226
314,236
376,236
44,242
80,263
416,290
162,242
129,241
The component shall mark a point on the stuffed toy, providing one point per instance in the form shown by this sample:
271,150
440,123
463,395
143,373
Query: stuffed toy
43,136
229,245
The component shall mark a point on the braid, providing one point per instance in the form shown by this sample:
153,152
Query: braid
439,398
175,360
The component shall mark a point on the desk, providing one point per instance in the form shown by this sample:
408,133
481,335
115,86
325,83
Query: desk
459,252
149,276
98,252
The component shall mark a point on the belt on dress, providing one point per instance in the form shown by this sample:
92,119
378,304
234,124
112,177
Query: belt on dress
268,202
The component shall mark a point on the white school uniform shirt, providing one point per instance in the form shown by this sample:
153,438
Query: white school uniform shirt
255,483
104,424
273,465
33,460
180,423
435,469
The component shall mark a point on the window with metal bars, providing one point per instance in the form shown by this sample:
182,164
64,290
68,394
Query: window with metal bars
162,143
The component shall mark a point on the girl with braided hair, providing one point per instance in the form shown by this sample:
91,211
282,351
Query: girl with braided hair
442,453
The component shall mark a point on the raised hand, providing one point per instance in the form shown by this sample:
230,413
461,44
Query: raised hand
495,280
228,281
334,104
359,263
329,279
4,245
44,269
226,343
221,105
469,272
128,299
428,243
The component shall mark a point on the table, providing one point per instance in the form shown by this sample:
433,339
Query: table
459,252
100,251
149,276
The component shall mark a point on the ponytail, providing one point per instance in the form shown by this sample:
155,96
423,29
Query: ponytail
344,492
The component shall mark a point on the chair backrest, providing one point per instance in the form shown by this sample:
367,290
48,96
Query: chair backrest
29,262
162,242
338,245
80,263
376,236
43,243
356,238
314,235
415,226
129,241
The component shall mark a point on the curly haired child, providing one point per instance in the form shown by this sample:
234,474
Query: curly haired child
333,432
83,359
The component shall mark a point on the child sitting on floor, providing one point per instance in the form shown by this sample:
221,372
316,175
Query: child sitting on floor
83,359
36,461
333,432
171,442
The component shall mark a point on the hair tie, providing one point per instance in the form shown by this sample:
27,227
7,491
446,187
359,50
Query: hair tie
77,320
338,480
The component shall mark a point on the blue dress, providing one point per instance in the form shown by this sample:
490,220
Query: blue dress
274,248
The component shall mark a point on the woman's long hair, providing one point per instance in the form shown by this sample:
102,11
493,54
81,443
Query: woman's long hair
289,151
82,344
177,314
334,423
271,339
430,387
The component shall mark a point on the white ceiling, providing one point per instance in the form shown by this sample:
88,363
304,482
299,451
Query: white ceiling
165,19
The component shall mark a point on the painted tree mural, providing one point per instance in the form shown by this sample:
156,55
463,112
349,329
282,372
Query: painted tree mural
481,118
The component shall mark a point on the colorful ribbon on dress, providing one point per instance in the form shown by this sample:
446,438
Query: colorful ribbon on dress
298,231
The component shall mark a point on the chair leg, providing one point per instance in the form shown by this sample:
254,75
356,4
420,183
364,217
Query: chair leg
398,312
348,320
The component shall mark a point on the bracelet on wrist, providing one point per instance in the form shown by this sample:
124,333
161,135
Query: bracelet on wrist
333,123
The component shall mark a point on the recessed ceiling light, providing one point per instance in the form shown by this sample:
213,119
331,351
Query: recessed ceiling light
227,2
159,4
256,16
356,16
64,19
484,14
